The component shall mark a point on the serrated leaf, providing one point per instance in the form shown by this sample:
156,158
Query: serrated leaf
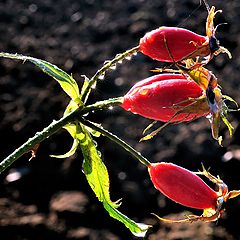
94,168
66,81
98,178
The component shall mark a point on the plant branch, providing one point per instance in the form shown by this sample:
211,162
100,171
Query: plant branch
38,138
102,105
117,140
105,67
53,128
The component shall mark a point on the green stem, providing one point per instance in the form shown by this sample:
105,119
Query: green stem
102,104
117,140
38,138
53,128
105,67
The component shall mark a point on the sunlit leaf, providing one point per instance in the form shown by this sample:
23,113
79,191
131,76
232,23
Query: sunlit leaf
94,168
228,124
85,84
66,81
230,99
71,128
233,194
70,107
98,178
70,152
93,132
138,229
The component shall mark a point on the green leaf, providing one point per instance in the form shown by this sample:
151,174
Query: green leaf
85,84
72,129
137,229
72,105
70,152
98,178
93,132
66,81
230,99
94,168
228,124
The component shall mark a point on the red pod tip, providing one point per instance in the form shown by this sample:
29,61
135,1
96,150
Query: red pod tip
182,186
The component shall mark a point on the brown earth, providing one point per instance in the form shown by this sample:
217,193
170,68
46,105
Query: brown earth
49,198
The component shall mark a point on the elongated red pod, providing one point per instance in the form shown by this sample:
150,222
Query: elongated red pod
182,186
163,96
172,44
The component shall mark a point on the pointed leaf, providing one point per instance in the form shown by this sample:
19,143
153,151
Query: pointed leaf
215,124
70,107
66,81
93,132
137,229
98,178
233,194
70,152
85,84
94,168
228,124
229,99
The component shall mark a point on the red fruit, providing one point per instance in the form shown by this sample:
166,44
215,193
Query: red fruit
172,44
182,186
167,98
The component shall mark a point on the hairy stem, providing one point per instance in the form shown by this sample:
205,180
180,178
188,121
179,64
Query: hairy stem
53,128
102,104
117,140
105,67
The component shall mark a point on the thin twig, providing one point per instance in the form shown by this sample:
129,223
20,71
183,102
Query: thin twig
116,139
105,67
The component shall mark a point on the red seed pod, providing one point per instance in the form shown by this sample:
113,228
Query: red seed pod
167,98
182,186
186,188
173,44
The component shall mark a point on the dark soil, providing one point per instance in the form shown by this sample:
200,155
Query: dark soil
49,198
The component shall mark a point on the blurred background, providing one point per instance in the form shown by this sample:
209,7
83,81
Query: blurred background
49,198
